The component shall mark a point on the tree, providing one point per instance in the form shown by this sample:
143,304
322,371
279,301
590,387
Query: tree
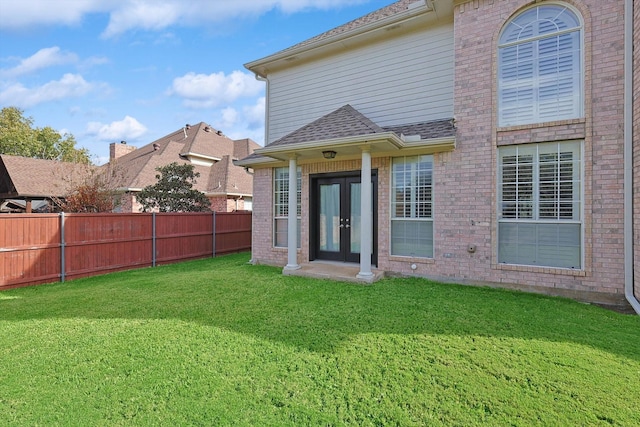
174,191
91,190
18,137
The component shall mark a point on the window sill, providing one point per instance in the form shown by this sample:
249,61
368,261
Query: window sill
411,259
541,125
563,130
542,269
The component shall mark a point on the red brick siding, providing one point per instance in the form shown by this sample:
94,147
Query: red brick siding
473,214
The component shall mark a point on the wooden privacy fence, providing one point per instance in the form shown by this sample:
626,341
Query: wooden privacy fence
44,248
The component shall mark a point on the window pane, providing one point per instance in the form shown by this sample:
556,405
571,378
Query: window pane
281,233
412,238
549,245
412,199
412,186
540,182
539,69
281,204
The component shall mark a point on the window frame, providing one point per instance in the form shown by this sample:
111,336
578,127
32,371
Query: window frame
535,87
535,212
280,213
416,213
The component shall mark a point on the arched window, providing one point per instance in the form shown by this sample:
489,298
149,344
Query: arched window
540,66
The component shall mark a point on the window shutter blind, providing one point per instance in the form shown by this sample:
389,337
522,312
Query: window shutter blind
539,67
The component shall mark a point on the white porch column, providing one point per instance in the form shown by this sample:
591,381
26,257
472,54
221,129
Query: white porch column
292,219
366,222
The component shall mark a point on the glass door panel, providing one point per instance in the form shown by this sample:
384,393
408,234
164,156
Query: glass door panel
336,218
329,217
354,220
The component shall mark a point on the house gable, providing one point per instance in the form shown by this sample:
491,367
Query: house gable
401,72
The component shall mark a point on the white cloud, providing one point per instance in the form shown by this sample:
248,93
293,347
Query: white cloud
247,123
43,58
126,129
30,13
229,118
70,85
127,15
255,114
207,91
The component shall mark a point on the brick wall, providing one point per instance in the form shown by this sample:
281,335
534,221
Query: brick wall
128,203
473,214
224,204
117,150
262,250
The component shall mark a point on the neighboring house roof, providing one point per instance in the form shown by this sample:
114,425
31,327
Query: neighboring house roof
210,151
347,128
25,177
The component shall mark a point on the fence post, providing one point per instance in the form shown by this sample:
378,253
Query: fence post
214,234
153,239
62,248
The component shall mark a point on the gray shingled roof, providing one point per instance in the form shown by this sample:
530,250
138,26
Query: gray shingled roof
344,122
347,122
433,129
38,178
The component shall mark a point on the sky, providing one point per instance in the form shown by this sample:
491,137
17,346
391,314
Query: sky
136,70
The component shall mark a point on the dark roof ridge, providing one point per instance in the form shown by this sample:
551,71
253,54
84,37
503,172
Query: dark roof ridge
378,14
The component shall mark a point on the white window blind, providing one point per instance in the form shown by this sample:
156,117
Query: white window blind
540,67
540,204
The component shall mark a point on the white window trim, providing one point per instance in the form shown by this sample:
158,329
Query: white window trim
275,217
535,201
581,63
393,218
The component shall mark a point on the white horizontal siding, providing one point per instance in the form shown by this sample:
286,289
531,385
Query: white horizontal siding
406,79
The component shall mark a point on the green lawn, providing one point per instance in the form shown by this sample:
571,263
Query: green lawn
221,342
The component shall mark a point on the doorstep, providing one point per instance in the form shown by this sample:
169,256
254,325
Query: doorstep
340,271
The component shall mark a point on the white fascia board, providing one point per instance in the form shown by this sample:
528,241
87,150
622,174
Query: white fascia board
332,143
381,144
338,39
200,156
263,161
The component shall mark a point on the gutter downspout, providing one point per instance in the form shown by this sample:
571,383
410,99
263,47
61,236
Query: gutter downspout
628,158
266,105
266,133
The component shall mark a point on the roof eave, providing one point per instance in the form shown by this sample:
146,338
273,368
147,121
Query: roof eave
260,67
253,162
379,144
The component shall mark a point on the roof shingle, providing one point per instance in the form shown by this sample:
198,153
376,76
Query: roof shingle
347,122
137,169
39,178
